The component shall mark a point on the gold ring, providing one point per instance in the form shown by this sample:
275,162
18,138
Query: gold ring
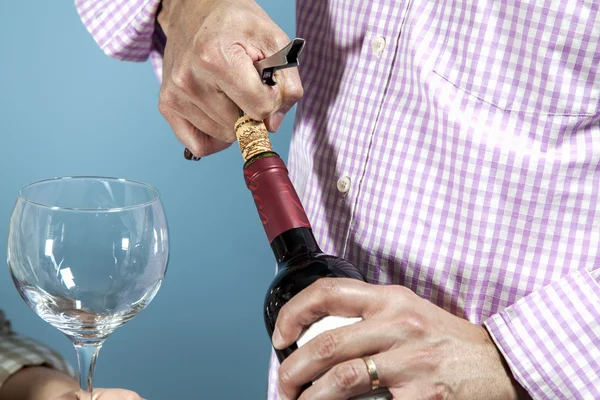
372,370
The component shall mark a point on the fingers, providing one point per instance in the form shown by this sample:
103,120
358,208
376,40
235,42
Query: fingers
213,107
189,83
199,143
196,112
329,349
105,394
203,122
327,296
398,368
209,72
345,380
243,85
291,92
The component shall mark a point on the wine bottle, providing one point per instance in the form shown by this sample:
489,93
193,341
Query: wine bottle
300,260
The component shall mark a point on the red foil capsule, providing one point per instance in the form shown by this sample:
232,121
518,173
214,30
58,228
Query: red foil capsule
276,199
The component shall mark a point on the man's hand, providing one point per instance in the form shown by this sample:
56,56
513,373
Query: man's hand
101,394
420,350
42,383
208,71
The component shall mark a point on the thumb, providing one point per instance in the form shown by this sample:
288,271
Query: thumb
115,394
102,394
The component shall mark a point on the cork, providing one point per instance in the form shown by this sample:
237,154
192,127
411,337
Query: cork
252,136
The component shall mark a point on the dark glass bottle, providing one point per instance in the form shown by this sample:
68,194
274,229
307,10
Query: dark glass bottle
300,260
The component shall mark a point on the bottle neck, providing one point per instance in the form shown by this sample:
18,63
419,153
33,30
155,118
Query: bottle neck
279,208
294,244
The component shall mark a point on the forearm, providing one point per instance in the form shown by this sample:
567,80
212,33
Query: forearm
18,352
37,383
23,360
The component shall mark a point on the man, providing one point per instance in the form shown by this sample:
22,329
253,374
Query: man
449,149
31,371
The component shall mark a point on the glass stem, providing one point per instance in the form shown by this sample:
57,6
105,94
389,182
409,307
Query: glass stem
87,352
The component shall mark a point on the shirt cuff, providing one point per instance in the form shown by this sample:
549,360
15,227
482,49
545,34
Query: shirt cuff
123,29
17,352
551,338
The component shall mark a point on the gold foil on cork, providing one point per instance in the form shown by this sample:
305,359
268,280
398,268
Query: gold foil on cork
252,136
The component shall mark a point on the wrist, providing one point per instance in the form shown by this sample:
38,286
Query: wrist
519,392
168,10
37,383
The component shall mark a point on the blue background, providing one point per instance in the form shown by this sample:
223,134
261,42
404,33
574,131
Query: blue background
67,109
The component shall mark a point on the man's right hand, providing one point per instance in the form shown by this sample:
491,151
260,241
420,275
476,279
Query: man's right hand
208,71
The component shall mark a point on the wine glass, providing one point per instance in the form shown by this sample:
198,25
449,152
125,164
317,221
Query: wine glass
87,254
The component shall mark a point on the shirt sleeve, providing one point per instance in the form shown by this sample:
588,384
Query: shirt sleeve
125,29
122,28
17,352
551,338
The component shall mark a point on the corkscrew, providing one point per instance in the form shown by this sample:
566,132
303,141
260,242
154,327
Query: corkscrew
288,57
284,58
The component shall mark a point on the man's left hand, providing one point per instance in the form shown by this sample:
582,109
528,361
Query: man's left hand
420,350
101,394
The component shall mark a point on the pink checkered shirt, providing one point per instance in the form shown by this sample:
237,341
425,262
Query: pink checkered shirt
468,133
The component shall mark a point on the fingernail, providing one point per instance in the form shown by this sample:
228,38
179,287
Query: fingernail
277,339
189,156
277,120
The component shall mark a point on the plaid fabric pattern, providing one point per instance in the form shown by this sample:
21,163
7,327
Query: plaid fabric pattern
470,134
17,352
125,30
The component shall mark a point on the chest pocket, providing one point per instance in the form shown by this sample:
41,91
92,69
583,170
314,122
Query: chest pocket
538,56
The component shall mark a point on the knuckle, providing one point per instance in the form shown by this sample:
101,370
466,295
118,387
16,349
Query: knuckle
326,345
196,145
429,359
440,391
163,110
415,323
285,377
345,376
274,40
167,99
293,91
182,77
229,138
397,291
396,297
327,286
283,318
261,110
209,55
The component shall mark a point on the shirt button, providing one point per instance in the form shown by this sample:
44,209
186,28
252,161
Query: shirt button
343,184
378,45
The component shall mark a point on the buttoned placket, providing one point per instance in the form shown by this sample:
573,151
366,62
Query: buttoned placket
378,52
